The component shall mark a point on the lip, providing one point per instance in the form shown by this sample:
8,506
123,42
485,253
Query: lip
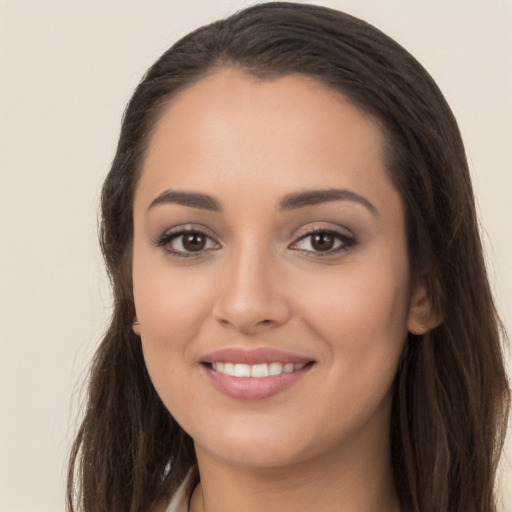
253,388
253,356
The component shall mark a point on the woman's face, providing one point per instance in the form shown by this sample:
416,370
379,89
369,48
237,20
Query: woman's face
270,270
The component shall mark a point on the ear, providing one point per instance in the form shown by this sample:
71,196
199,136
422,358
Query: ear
136,326
423,314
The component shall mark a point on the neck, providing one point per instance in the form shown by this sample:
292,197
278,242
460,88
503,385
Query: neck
357,479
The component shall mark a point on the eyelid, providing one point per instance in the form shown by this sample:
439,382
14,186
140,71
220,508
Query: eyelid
348,241
174,233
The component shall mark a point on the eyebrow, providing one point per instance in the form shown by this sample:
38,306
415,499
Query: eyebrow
314,197
191,199
289,202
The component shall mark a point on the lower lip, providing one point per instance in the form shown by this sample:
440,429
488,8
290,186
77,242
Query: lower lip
254,388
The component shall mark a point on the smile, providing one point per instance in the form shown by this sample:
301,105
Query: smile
256,370
256,373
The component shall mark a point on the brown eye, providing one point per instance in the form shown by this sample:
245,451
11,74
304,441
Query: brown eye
323,241
194,241
187,243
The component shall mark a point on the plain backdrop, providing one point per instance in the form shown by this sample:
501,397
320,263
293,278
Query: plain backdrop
67,70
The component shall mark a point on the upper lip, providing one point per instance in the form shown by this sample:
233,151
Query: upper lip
253,356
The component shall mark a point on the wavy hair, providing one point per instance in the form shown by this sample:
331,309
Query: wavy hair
450,397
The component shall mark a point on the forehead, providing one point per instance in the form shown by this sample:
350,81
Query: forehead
234,128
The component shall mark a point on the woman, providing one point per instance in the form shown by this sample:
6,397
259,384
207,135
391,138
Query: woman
302,318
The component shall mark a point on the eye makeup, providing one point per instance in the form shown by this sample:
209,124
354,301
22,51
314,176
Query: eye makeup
186,242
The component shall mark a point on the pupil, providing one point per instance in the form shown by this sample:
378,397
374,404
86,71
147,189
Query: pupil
194,241
323,241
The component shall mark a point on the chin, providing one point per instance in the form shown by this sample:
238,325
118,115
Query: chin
258,446
255,455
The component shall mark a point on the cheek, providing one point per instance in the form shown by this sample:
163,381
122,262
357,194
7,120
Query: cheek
171,307
372,307
362,320
170,318
170,304
362,314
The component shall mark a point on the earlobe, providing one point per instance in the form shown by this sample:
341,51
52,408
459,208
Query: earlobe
423,315
136,326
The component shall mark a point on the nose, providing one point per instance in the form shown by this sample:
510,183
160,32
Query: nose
251,296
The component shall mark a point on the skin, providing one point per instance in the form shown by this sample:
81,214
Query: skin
321,444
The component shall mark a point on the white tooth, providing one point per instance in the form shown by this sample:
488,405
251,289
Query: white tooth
229,369
288,368
275,369
255,370
218,367
259,370
242,370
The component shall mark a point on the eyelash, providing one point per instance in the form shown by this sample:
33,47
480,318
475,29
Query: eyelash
170,236
347,242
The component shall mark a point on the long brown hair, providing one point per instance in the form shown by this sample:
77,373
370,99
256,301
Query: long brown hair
451,395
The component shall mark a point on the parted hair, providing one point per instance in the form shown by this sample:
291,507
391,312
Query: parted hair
450,395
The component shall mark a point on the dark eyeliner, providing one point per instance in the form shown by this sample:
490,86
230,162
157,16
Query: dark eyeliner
348,242
173,234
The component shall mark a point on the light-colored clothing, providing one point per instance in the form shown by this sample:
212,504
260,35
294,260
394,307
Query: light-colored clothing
179,502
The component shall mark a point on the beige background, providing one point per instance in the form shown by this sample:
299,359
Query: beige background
66,72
